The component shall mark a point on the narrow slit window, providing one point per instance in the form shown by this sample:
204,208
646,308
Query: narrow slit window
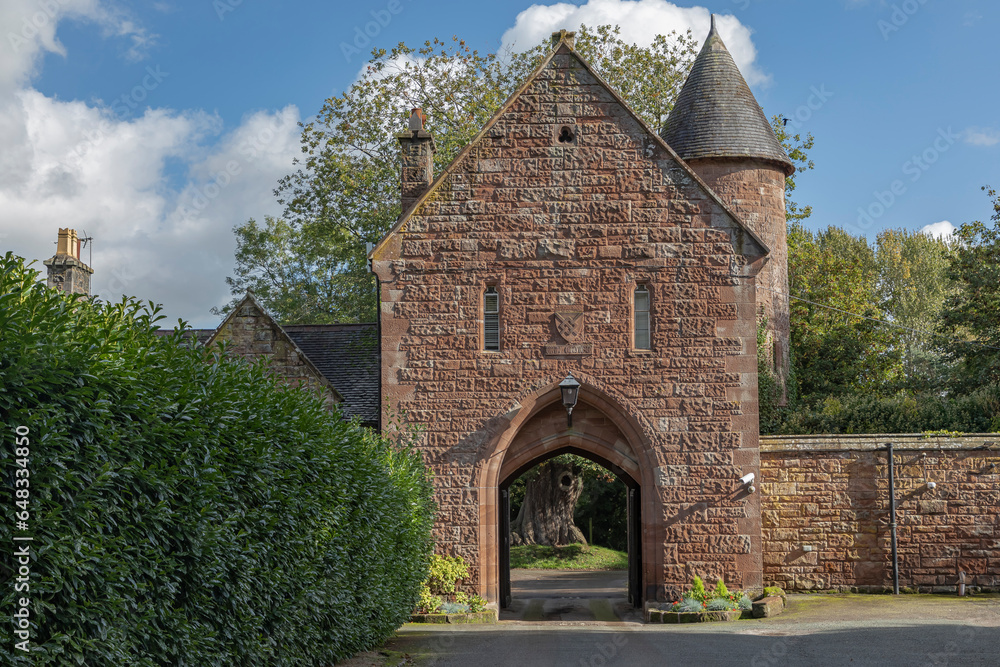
491,320
641,307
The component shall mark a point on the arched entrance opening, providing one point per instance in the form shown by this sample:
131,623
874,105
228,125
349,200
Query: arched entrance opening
537,430
633,536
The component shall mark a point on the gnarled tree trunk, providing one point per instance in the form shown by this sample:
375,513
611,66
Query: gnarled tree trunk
546,515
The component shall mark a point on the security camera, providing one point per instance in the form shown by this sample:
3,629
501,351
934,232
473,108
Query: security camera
747,479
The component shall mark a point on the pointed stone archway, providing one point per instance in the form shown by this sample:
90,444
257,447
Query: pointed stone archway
603,432
634,539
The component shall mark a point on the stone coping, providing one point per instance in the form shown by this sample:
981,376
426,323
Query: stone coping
875,442
488,616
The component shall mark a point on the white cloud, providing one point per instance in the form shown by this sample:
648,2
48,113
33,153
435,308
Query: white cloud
640,21
939,230
159,190
981,136
31,33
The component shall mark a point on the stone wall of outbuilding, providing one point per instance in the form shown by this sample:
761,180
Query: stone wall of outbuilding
825,507
253,334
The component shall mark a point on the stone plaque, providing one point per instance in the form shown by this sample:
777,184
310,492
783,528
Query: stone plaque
571,349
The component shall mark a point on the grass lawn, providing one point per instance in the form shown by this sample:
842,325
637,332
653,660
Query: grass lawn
571,557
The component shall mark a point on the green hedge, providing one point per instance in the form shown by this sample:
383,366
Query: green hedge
188,510
977,412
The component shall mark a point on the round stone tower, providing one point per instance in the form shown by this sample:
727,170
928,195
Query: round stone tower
718,128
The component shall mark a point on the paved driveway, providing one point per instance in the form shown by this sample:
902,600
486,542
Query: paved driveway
573,626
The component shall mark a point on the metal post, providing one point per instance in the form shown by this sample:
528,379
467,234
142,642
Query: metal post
892,521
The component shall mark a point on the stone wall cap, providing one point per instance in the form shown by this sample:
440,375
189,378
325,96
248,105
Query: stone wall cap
878,441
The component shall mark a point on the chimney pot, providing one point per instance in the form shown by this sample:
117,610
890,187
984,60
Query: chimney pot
416,120
68,243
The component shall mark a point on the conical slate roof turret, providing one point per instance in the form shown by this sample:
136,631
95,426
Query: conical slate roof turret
716,115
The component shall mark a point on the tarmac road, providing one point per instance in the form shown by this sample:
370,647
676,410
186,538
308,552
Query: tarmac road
582,619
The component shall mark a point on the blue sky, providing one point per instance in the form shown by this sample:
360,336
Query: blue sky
156,126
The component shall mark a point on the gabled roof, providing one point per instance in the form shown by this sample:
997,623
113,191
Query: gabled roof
716,115
250,300
564,47
347,355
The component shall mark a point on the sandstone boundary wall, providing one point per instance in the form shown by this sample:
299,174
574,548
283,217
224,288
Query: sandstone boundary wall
825,505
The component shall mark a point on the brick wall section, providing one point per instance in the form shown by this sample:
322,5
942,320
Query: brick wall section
253,334
755,190
574,227
831,493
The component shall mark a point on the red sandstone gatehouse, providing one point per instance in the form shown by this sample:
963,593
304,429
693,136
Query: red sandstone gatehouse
571,237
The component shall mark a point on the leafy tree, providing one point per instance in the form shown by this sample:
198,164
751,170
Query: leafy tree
345,192
973,312
303,273
913,284
186,507
833,350
798,151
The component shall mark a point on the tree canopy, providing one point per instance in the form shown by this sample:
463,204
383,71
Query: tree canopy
310,266
972,312
898,335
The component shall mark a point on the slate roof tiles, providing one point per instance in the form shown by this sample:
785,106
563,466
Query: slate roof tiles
716,114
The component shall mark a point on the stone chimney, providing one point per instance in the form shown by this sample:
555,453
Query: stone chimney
66,271
417,148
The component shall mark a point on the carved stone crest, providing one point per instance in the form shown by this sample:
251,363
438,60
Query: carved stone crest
569,324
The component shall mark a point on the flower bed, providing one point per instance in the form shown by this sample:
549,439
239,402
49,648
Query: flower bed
699,605
441,602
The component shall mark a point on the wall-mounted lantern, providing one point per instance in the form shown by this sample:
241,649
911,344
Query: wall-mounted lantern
570,389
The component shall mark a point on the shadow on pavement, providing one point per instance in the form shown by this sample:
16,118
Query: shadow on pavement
570,596
513,644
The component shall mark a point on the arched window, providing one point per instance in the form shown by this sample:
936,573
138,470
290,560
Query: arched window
491,319
641,339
